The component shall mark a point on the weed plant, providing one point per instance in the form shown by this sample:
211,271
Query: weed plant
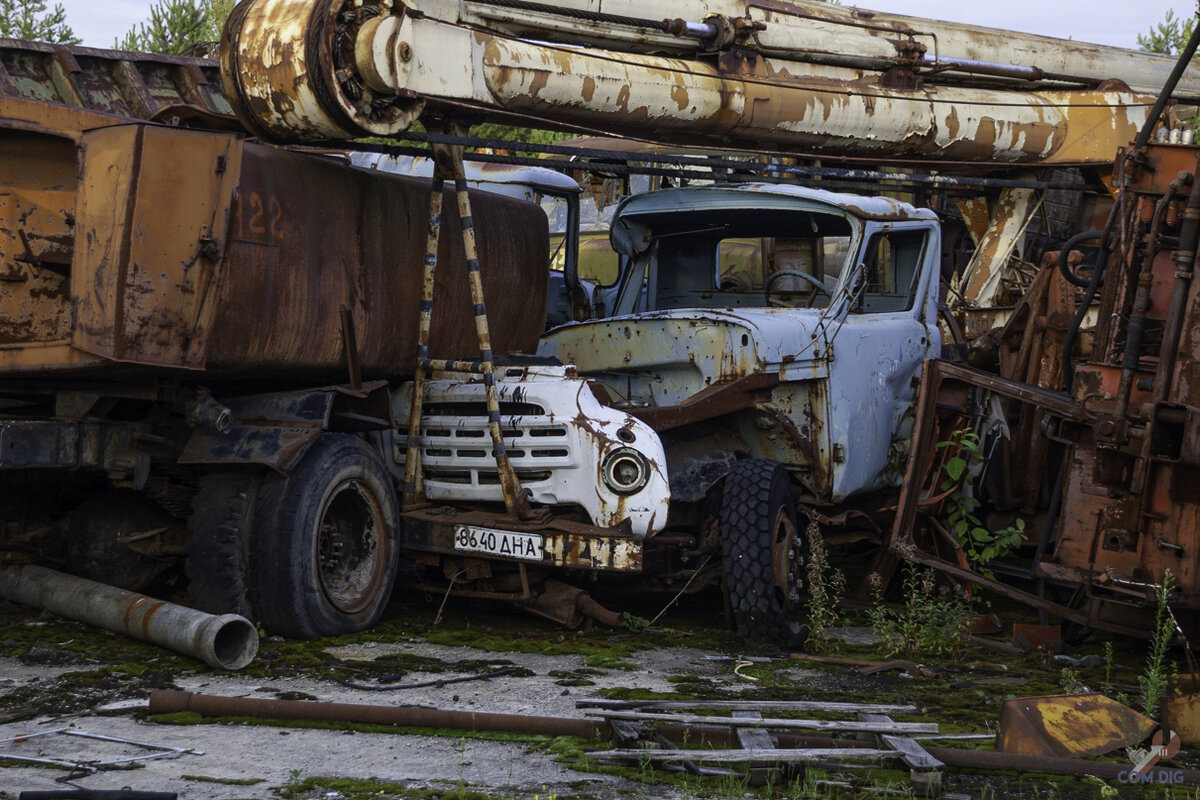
1158,672
826,585
932,620
980,545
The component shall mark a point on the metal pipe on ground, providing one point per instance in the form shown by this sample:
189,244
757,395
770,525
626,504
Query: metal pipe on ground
172,702
228,641
166,701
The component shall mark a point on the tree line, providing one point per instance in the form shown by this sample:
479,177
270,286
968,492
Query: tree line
173,27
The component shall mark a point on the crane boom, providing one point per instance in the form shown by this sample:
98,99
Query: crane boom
797,76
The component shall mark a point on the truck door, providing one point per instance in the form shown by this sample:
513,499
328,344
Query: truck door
878,347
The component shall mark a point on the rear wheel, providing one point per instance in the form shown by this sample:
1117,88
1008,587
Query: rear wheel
326,542
113,538
218,543
762,551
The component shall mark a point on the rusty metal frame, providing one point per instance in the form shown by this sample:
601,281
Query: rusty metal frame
449,164
157,751
709,403
901,544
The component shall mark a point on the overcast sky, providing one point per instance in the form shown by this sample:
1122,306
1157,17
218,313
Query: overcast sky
1115,22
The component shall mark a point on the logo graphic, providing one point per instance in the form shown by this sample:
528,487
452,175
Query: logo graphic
1145,758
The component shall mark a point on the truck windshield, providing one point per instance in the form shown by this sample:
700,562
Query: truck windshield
797,265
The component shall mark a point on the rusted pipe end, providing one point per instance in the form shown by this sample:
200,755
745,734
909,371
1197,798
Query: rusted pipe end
168,701
229,642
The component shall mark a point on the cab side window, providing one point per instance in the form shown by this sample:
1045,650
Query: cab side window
890,271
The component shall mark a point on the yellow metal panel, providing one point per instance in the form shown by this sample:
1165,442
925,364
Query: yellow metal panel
1069,726
36,238
153,211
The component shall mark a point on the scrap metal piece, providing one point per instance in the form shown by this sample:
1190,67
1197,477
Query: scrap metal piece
170,702
1069,725
157,751
1030,637
1183,711
569,605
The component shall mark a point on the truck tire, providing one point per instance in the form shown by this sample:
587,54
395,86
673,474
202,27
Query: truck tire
326,542
218,543
760,549
95,549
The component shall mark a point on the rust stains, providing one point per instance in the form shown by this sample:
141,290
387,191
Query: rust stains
680,95
623,98
952,124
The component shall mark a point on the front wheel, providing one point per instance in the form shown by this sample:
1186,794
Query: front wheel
762,552
326,542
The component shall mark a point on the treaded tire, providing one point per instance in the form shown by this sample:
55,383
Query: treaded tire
326,542
218,543
758,528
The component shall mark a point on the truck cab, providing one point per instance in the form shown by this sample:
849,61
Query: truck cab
791,320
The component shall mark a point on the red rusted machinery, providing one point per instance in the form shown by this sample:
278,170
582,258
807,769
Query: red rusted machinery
1100,378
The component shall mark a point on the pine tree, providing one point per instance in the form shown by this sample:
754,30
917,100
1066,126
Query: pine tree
178,27
218,12
29,19
1169,36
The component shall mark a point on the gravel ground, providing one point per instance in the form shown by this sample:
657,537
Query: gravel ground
84,680
276,756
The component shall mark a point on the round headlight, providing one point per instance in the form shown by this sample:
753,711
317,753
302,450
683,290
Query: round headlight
626,471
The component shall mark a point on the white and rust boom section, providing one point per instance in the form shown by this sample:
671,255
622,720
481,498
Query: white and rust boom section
797,76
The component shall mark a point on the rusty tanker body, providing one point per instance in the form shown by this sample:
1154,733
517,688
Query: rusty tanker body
206,257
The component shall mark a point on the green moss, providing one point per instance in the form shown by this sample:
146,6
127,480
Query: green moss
178,718
376,789
224,781
608,662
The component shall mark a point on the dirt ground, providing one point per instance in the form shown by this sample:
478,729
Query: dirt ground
58,675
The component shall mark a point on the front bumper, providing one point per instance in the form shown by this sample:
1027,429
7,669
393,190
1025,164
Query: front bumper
561,543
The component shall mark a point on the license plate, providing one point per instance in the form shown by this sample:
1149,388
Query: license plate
527,546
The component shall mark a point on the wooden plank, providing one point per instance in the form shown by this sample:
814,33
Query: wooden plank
879,719
806,755
757,739
849,725
914,755
624,733
924,771
753,738
955,736
749,705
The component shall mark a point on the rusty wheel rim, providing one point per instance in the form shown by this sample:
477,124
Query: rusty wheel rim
787,562
351,547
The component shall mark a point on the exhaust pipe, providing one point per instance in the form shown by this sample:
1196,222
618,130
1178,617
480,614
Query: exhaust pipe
228,641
